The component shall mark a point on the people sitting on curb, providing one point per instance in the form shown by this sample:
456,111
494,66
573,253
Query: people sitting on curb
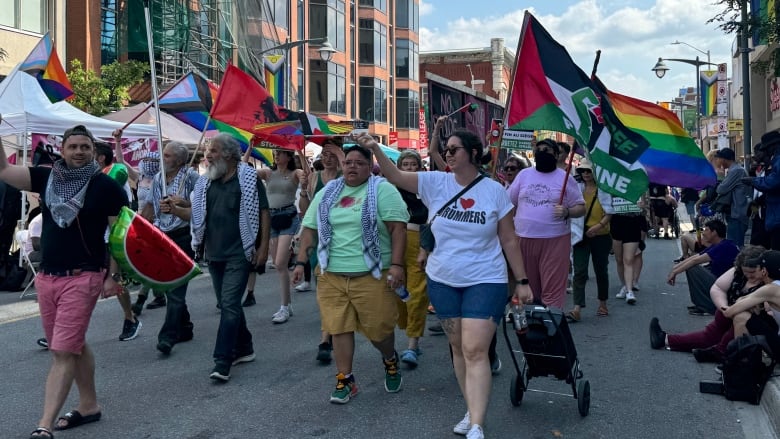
709,344
758,313
719,257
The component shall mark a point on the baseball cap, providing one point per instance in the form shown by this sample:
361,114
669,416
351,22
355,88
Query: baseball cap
770,260
726,153
585,164
78,130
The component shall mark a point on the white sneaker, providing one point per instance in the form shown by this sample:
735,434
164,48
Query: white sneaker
630,298
303,286
635,287
282,315
463,426
622,293
475,432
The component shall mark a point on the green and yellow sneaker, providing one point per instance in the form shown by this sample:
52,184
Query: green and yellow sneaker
346,388
393,378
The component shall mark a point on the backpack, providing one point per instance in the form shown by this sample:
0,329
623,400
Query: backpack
745,372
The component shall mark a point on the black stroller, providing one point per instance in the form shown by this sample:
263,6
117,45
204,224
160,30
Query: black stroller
548,350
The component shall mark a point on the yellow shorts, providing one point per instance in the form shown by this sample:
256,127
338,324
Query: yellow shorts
357,304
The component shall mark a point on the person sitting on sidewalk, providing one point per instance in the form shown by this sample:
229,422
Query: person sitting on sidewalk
747,312
720,257
709,344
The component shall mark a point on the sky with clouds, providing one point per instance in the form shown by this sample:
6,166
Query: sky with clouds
631,35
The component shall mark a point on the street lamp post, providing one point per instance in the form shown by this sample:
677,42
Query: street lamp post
326,51
694,48
660,70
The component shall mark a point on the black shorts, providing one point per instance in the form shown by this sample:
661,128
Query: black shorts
625,228
661,209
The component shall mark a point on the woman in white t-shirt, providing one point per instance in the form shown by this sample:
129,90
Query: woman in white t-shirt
467,273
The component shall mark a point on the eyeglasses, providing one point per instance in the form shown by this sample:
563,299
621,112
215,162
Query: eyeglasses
585,171
452,149
510,168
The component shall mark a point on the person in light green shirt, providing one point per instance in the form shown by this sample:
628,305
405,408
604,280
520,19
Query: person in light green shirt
360,224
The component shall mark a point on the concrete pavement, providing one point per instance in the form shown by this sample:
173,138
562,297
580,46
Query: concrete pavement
636,392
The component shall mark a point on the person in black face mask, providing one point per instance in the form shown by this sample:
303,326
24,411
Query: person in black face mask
542,222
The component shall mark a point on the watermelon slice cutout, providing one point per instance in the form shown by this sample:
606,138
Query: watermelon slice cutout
147,254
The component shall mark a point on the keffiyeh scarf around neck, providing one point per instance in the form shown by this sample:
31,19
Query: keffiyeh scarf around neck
372,253
66,190
249,209
178,187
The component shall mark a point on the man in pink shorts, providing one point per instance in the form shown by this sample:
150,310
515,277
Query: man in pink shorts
78,202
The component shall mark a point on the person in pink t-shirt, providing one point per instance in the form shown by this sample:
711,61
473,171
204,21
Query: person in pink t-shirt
542,222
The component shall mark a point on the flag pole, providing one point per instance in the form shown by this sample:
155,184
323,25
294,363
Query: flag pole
200,141
508,102
155,95
150,104
458,110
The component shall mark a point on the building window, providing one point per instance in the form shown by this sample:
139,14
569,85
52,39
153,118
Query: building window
407,60
327,20
328,88
376,4
407,109
109,43
276,13
29,15
373,43
373,99
407,15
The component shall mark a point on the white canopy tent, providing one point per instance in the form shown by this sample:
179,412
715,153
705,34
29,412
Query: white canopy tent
26,109
172,128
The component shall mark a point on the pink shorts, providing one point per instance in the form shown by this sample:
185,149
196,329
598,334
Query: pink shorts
66,304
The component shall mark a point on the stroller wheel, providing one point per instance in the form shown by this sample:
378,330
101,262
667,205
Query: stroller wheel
583,397
517,390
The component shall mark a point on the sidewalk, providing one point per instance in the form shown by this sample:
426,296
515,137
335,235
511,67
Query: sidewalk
770,400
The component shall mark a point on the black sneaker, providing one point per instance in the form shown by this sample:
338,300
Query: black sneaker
436,329
42,342
130,330
323,352
138,306
164,347
250,300
657,335
158,302
220,373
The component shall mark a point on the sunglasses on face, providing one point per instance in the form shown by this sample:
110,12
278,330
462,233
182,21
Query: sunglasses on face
510,168
451,150
585,171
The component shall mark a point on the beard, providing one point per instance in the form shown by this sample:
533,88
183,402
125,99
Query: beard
216,170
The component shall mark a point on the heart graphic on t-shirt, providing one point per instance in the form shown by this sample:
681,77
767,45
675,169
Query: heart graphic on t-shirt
467,203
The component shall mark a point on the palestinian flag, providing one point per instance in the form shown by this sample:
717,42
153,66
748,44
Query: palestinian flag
549,91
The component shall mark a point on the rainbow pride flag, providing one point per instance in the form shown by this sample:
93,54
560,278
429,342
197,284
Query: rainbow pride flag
190,101
673,158
44,64
708,87
274,77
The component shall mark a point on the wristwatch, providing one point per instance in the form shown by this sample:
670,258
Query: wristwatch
116,276
523,281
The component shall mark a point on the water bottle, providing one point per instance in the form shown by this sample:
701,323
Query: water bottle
518,316
401,291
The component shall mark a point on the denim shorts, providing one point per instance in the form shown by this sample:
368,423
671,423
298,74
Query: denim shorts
292,230
480,301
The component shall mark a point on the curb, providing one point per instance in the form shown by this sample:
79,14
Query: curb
770,403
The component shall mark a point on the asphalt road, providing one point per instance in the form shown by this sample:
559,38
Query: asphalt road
636,392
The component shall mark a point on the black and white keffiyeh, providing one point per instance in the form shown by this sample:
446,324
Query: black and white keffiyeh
372,253
180,185
249,209
150,164
66,190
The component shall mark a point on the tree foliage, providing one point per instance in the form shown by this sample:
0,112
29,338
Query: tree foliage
101,94
729,20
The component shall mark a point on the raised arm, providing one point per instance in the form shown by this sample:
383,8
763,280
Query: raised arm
119,157
16,176
402,179
433,149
